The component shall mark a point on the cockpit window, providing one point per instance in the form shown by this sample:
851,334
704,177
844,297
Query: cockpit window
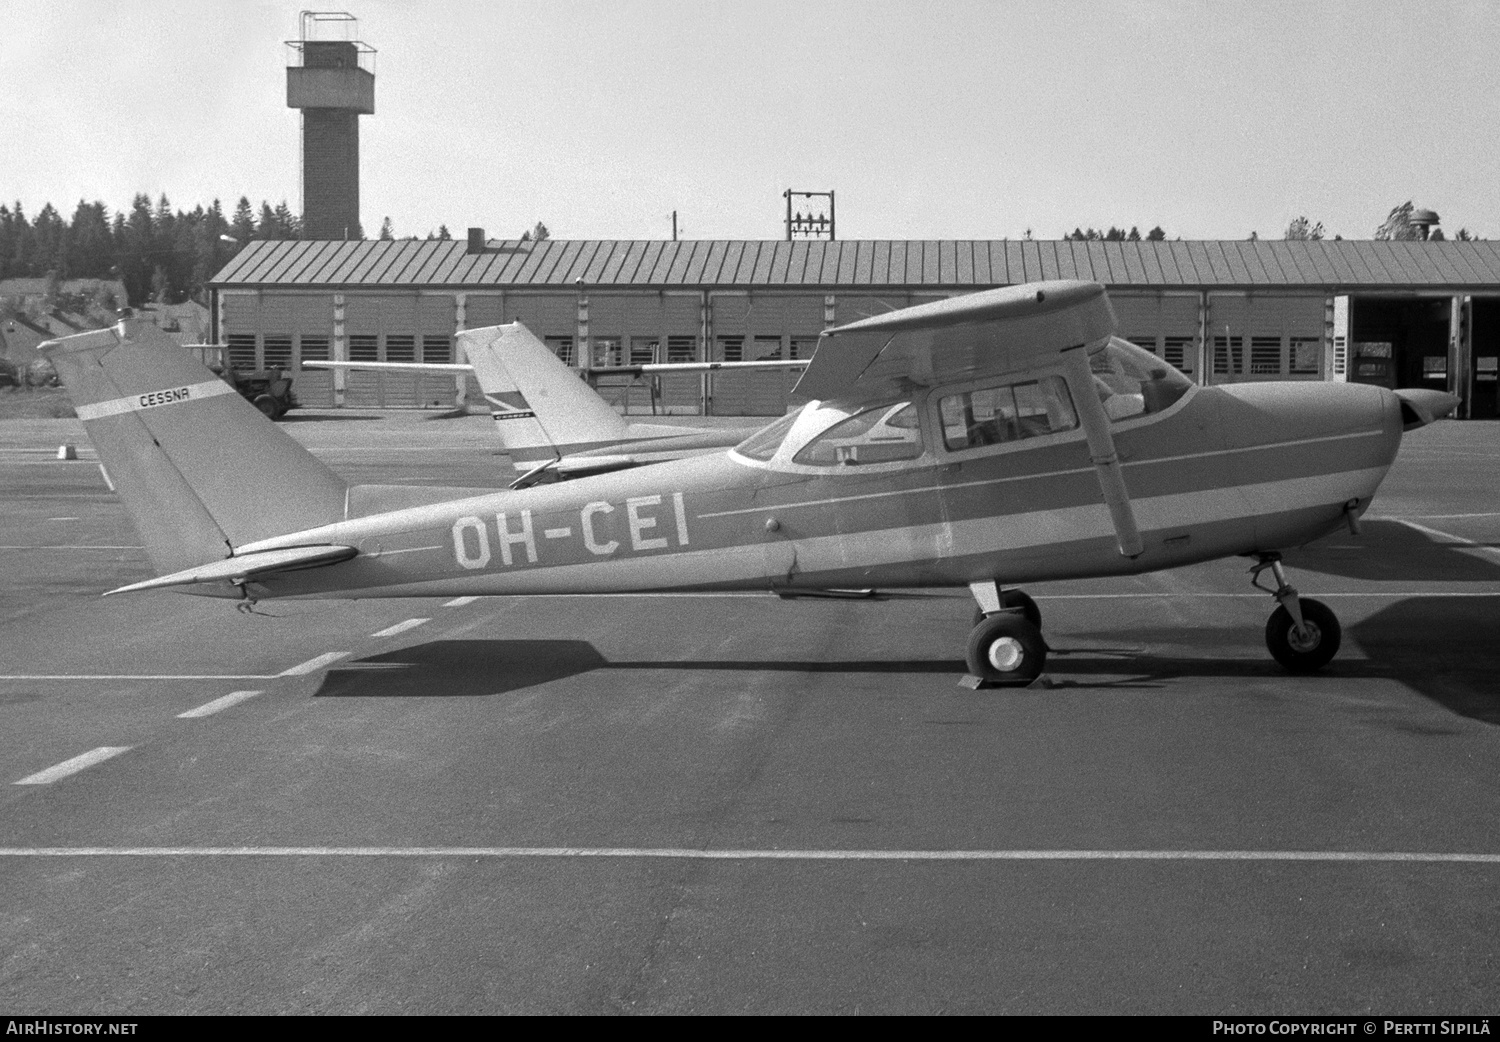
762,445
1131,381
993,415
884,434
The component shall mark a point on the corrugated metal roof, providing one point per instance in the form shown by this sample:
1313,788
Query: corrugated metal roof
948,263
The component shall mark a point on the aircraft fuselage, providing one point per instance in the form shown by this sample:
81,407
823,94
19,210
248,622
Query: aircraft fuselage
1222,471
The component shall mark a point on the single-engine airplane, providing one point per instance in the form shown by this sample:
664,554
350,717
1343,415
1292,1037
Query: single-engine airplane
984,441
552,424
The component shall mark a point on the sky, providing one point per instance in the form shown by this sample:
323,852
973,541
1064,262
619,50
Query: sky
944,119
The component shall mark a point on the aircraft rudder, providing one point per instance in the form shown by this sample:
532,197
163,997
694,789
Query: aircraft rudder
199,469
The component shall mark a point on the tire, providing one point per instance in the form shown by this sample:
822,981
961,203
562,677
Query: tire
267,405
1015,600
1308,654
1006,649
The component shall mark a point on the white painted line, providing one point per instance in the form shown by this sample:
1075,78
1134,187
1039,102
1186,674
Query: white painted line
1433,517
62,519
234,698
73,766
90,547
312,665
691,854
459,602
139,676
400,627
1467,544
1315,595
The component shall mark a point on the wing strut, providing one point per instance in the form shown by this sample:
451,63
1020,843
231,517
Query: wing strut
1102,450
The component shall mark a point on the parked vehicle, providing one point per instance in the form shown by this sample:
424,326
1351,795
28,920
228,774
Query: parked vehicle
269,390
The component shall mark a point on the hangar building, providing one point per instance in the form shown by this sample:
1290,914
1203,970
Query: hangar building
1401,314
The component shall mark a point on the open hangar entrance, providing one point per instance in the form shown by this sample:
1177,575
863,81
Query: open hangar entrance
1448,343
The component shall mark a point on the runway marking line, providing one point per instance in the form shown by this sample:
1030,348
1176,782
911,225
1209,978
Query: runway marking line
139,676
1458,540
234,698
459,602
312,665
73,766
690,854
89,547
400,627
1254,596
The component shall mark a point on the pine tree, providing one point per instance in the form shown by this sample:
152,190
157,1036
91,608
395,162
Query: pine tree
288,226
242,227
90,255
19,256
265,228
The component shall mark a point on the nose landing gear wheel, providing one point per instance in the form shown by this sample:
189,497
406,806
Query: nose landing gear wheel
1309,649
1006,649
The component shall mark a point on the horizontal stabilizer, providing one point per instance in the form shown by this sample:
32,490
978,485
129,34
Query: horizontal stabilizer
391,367
581,466
241,569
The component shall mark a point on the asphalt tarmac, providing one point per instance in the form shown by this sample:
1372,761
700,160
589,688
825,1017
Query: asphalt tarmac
723,804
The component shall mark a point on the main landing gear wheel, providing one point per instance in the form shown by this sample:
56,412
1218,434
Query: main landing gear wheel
1015,601
1302,634
1310,648
1006,648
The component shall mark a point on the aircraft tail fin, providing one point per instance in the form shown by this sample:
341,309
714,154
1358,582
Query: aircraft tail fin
199,469
542,410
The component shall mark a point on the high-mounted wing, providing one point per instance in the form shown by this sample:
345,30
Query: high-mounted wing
995,330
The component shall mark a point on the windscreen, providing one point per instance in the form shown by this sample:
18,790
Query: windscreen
1131,381
762,445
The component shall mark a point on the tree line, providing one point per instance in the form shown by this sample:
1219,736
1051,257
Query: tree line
159,253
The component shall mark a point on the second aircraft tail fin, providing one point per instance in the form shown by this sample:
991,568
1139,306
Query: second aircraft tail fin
542,409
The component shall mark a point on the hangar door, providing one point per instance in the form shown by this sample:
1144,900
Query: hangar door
1484,376
297,327
1263,337
407,327
1166,324
761,327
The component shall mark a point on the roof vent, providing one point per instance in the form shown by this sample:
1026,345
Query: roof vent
476,240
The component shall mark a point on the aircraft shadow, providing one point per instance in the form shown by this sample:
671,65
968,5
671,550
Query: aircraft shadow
460,669
1443,648
1389,551
475,668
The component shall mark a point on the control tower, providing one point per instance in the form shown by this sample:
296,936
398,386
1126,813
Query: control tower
330,76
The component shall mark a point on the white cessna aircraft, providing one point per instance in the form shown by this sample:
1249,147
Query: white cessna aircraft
983,441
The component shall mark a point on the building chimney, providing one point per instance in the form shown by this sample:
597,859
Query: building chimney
476,240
